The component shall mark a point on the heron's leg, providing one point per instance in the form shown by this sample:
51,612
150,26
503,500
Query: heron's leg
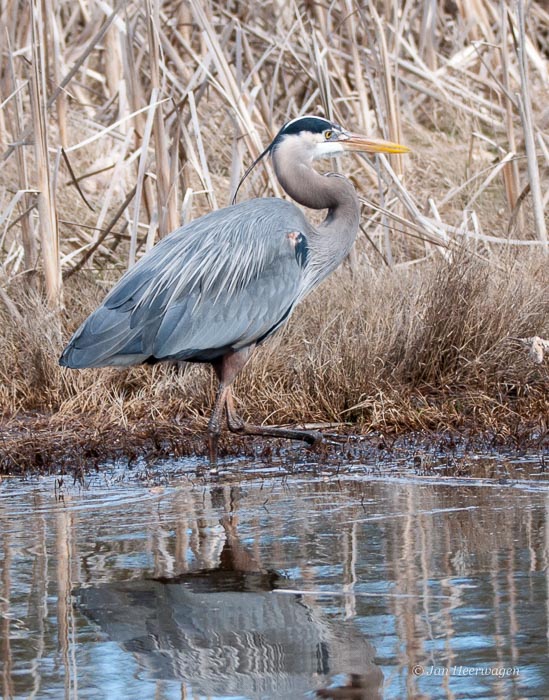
237,425
214,425
226,369
234,421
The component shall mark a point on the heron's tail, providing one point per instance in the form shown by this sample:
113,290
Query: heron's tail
104,339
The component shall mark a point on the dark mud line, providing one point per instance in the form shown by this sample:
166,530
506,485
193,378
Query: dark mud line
36,445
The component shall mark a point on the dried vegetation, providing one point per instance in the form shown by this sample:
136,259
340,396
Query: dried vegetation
117,122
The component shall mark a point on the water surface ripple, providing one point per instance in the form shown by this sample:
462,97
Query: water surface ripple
350,586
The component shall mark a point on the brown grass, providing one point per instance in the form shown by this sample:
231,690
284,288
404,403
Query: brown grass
161,105
421,349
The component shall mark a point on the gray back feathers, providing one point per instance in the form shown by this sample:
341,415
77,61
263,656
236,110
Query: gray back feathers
222,282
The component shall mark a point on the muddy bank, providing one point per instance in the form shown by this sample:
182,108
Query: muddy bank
38,444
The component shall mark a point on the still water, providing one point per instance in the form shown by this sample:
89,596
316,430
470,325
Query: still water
264,584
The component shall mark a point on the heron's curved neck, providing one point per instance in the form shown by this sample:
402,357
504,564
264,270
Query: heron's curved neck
336,194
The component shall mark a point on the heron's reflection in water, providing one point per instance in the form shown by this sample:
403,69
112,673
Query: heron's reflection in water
223,631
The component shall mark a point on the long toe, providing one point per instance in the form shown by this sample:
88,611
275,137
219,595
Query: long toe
308,436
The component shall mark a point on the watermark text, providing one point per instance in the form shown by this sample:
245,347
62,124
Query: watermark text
495,671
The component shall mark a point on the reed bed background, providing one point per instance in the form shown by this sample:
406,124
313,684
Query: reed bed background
119,121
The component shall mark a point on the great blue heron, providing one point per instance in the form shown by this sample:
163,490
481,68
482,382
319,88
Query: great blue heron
215,289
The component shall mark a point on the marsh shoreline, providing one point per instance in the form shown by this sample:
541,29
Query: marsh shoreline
38,444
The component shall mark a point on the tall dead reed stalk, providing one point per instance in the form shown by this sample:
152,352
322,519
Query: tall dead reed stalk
47,210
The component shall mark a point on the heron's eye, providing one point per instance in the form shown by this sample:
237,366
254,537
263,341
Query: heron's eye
328,134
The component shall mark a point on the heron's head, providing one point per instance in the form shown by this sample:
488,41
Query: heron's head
307,138
315,137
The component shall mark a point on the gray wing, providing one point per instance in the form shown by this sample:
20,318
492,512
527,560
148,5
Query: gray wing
222,282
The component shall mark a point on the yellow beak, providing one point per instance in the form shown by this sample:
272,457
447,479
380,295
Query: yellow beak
355,142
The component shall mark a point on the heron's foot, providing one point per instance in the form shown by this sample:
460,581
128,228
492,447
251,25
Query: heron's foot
235,422
242,428
237,425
